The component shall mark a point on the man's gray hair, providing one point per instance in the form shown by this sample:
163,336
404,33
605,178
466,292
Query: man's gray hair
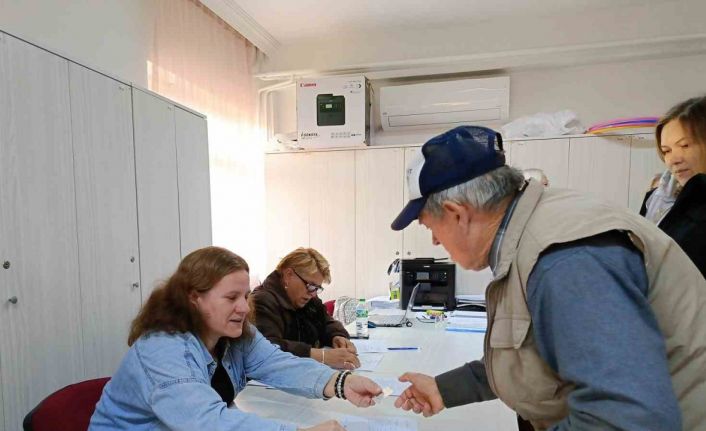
484,193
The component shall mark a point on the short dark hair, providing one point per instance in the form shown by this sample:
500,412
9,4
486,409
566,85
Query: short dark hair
169,308
691,114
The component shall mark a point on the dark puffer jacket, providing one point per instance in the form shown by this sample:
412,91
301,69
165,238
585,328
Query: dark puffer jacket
686,221
294,330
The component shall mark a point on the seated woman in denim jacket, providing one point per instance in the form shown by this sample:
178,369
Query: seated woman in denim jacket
287,310
192,349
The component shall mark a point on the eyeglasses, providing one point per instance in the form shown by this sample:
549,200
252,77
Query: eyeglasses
310,287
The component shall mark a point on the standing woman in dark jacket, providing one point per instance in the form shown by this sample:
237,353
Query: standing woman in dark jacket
678,204
288,312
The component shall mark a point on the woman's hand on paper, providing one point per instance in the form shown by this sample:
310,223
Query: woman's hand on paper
422,396
343,343
325,426
341,359
361,391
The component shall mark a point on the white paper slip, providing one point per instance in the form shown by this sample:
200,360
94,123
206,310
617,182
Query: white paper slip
392,383
369,361
356,423
370,346
386,392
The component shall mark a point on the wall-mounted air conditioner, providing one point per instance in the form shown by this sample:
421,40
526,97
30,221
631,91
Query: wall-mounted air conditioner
448,103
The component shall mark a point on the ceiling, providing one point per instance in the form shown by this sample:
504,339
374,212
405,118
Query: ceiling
290,20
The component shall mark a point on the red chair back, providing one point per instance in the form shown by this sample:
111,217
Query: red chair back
68,409
329,307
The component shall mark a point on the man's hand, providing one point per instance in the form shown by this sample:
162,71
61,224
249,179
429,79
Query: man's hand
343,343
360,390
422,397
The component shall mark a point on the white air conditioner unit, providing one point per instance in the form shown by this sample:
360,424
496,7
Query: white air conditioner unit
448,103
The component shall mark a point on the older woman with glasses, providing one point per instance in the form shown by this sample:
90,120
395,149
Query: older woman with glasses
288,312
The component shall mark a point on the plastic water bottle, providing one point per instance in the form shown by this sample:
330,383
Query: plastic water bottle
361,319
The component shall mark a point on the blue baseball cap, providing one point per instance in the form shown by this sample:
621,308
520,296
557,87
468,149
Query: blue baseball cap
447,160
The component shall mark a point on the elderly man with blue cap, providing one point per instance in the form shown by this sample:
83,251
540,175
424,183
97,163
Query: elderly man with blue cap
596,319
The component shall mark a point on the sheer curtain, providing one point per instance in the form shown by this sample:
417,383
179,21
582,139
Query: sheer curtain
201,62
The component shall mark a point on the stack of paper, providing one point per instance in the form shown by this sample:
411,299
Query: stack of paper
357,423
472,302
467,321
383,302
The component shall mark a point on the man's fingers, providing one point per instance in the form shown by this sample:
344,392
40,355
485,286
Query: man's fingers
407,377
406,406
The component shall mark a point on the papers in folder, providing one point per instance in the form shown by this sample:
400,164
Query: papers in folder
467,321
356,423
475,302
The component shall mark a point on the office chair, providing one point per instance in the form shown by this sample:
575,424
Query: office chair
329,307
68,409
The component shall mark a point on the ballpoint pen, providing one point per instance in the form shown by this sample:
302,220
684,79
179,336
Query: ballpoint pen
403,348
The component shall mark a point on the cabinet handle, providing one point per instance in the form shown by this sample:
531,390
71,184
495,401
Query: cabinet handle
6,264
135,285
397,253
409,253
132,258
12,300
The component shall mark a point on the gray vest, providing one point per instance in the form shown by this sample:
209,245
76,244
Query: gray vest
676,293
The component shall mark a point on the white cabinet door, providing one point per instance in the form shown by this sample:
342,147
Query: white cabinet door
332,217
549,155
287,194
379,184
644,165
40,346
194,181
157,194
106,211
416,238
601,166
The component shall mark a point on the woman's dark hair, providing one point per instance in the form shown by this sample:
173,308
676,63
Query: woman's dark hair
691,114
169,308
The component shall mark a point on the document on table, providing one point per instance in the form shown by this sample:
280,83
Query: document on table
370,346
467,321
369,361
357,423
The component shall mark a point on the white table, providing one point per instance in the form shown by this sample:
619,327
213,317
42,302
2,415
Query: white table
440,351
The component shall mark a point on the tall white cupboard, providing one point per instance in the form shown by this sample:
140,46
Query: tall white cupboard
103,188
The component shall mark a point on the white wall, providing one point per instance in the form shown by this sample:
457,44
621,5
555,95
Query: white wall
595,92
111,35
604,91
639,22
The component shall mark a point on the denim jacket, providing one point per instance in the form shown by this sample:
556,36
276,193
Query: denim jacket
164,383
